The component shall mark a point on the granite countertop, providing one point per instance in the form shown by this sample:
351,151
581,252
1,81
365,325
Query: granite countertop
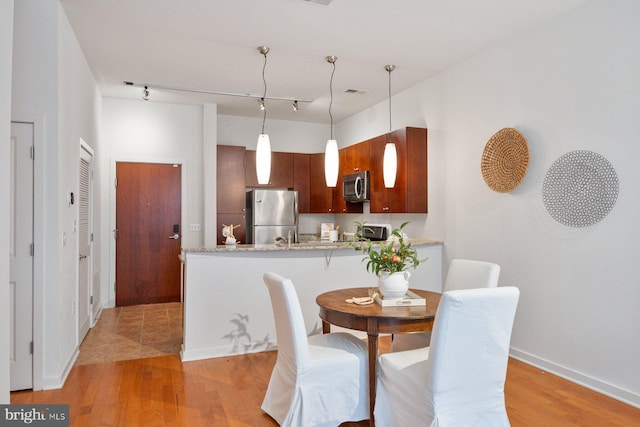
303,246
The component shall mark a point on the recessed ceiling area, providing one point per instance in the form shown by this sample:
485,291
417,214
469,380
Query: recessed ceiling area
210,45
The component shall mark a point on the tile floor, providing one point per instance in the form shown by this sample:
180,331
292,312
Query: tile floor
133,332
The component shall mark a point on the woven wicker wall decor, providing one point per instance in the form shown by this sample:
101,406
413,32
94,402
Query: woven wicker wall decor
580,188
505,160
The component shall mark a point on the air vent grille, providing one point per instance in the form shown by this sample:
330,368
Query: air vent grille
322,2
356,91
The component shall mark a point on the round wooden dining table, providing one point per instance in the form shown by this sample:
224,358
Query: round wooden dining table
375,319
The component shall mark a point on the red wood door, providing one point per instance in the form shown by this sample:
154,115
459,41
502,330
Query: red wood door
148,204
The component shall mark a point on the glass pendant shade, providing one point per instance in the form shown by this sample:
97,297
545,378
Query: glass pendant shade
263,159
389,165
331,163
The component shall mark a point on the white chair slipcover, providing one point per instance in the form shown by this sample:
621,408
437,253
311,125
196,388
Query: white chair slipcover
320,380
458,380
462,274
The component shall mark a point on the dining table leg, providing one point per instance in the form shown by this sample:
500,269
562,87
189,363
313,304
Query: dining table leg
372,336
326,327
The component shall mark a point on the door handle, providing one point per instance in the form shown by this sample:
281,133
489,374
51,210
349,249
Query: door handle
174,236
83,256
358,188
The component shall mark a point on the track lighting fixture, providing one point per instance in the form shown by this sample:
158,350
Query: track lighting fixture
145,93
261,104
263,150
390,157
295,105
148,86
331,157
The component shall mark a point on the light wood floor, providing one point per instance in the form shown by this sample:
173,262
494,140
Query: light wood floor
228,391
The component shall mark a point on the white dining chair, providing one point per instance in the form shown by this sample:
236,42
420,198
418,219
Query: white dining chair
321,380
462,274
459,379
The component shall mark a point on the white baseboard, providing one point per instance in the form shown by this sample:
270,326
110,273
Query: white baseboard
97,315
52,383
213,352
602,387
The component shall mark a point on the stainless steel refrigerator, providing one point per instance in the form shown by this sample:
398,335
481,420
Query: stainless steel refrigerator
271,214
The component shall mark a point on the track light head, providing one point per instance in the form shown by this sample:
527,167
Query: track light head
261,104
295,105
145,93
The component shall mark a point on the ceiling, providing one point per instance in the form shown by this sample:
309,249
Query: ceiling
211,45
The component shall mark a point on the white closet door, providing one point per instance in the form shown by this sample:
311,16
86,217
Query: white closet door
21,257
84,242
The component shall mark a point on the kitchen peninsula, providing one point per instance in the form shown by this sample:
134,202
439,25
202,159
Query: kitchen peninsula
227,310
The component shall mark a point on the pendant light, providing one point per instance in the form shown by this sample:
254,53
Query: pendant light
331,158
263,150
390,159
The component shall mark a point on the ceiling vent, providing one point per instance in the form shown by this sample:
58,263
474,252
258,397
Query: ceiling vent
322,2
356,91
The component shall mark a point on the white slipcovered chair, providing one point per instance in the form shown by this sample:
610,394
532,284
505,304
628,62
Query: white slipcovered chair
458,380
321,380
462,274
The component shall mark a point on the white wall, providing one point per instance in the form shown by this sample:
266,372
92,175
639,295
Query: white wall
79,108
52,83
284,135
6,48
79,115
146,131
35,92
570,84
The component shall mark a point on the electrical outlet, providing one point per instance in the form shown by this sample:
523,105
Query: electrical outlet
195,227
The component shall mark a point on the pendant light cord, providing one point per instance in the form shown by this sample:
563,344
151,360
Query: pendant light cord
389,71
264,111
331,95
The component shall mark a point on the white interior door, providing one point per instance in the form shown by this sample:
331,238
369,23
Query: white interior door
21,257
85,299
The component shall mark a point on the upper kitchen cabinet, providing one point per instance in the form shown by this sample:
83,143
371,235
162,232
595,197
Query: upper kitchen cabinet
409,195
320,196
354,158
281,170
301,181
230,183
230,190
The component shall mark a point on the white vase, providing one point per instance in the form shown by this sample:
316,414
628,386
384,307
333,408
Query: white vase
394,285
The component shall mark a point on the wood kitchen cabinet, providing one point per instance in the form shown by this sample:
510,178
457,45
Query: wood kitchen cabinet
301,181
354,158
230,190
320,196
281,170
409,195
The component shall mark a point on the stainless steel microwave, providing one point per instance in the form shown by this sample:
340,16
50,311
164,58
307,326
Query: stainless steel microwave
355,187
